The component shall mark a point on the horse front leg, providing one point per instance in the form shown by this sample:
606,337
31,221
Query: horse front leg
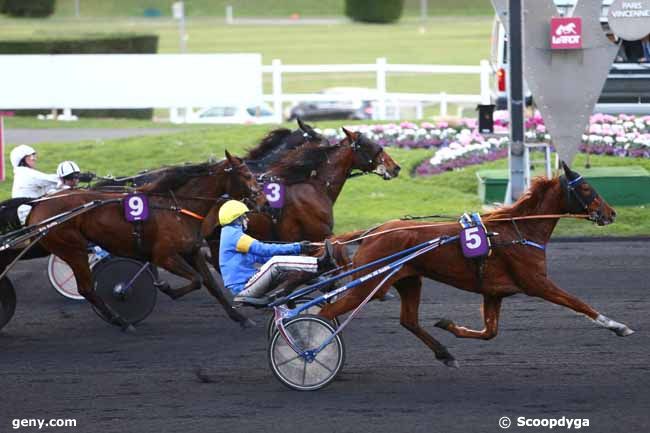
490,310
216,290
542,287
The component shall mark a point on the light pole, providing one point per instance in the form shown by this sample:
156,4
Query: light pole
516,102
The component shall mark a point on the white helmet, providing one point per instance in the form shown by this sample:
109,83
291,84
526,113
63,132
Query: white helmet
67,168
19,152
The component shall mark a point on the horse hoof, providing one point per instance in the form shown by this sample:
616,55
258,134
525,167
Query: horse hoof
247,323
624,332
444,324
451,363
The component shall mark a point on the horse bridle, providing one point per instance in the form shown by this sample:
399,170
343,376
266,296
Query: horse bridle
576,202
368,158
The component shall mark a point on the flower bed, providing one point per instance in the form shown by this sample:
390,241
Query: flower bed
459,144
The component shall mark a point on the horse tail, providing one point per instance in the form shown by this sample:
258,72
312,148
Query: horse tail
339,245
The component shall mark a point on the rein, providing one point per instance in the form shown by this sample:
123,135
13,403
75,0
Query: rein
513,219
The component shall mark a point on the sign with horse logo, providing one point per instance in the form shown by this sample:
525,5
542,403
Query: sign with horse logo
566,33
275,193
136,207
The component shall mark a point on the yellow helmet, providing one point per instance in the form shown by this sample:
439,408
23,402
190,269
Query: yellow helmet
230,211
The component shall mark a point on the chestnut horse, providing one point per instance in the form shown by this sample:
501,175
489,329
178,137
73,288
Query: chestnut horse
517,263
169,238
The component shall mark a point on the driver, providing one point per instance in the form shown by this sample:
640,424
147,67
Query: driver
29,182
69,174
239,252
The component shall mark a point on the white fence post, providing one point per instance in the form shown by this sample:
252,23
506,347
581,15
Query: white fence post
485,82
443,104
276,64
381,87
229,15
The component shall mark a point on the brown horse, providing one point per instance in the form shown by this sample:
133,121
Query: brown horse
169,238
314,175
515,266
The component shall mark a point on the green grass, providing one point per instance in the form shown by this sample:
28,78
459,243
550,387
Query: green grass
365,201
258,8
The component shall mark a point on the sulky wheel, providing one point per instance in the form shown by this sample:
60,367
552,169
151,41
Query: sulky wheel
304,372
7,301
133,302
314,310
62,278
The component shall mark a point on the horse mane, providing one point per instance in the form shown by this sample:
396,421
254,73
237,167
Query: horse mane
176,176
528,203
299,163
269,143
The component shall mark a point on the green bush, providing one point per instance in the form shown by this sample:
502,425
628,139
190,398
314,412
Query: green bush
27,8
112,44
92,44
374,11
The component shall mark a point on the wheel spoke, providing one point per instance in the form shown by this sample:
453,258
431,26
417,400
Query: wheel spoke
304,371
287,361
323,365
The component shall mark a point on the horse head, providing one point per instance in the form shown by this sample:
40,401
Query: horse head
370,156
240,181
582,198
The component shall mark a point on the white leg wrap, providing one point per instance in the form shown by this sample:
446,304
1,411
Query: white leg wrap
620,329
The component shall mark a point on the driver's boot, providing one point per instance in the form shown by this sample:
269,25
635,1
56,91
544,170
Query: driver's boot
327,262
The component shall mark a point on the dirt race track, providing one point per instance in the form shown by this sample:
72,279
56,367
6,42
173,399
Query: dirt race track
59,360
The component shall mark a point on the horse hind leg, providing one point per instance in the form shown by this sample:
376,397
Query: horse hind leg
410,290
491,309
177,265
83,276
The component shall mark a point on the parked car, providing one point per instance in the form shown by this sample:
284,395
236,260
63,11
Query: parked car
627,89
243,114
351,103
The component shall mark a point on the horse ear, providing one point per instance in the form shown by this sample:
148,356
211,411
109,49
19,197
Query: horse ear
231,159
567,171
350,135
302,126
306,128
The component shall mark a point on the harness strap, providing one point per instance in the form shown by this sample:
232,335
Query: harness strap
533,244
192,214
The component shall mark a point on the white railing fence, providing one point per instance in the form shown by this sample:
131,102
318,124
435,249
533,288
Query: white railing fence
381,97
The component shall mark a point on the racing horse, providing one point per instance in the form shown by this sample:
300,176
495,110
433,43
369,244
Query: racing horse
314,175
169,238
517,264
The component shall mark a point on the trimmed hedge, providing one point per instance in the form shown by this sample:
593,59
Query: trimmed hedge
114,44
374,11
27,8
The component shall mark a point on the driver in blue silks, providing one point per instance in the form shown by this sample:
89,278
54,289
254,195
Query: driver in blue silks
239,253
